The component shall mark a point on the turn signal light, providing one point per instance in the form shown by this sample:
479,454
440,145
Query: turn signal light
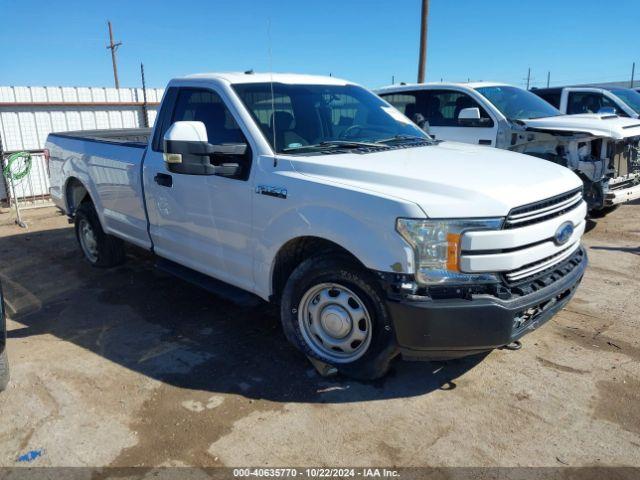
453,247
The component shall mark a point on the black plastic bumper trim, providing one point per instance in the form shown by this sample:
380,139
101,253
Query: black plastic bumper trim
449,328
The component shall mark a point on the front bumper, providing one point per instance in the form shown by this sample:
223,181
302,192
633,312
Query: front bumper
451,328
623,195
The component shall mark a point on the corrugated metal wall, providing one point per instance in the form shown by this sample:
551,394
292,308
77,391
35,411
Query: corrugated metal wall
29,114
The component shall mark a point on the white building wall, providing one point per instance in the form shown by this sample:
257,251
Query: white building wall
29,114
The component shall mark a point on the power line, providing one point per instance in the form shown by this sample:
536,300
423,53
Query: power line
113,47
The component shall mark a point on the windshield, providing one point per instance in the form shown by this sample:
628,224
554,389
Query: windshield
518,104
315,117
628,96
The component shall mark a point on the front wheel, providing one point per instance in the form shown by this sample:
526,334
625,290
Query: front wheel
333,310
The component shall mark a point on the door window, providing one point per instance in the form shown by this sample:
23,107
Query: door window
206,106
588,102
439,107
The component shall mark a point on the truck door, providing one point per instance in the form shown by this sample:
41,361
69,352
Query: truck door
443,108
587,101
201,221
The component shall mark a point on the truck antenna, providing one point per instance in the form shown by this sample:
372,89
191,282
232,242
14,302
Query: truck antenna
273,100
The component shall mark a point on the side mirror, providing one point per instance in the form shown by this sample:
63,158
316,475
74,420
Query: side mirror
188,151
469,116
607,111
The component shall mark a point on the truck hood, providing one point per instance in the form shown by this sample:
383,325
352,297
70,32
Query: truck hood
594,124
447,180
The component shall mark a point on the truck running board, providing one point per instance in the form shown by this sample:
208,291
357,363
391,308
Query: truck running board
217,287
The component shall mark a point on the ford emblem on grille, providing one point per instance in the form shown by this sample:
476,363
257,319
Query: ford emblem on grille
563,234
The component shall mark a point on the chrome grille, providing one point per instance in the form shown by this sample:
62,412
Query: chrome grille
533,268
543,210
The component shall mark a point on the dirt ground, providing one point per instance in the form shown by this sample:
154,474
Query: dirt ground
131,367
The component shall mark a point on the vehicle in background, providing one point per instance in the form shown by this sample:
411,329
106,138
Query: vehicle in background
624,102
4,362
316,195
601,149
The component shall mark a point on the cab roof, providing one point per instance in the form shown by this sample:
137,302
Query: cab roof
436,85
251,77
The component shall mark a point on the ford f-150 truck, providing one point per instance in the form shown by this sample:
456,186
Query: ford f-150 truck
624,102
315,194
601,149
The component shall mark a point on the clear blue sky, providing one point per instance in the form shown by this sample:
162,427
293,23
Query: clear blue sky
63,42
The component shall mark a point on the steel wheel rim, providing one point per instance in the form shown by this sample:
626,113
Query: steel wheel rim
335,323
88,240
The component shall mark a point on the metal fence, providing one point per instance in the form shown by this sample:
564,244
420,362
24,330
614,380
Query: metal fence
29,114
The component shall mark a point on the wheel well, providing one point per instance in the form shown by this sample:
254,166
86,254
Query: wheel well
296,251
75,194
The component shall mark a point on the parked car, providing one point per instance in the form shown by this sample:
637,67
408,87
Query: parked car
315,194
601,149
624,102
4,362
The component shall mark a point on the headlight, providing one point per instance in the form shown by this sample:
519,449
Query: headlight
436,244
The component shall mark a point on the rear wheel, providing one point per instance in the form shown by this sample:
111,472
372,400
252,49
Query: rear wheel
99,248
333,310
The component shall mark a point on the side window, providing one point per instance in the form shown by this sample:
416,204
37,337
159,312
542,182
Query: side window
442,108
589,102
207,107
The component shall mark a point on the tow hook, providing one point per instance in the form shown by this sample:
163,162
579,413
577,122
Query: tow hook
517,345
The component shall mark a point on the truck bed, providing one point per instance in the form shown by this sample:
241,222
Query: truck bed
133,137
107,164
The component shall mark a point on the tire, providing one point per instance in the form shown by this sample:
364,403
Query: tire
604,211
4,371
103,250
352,307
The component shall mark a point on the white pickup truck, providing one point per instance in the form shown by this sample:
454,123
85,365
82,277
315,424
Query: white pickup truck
315,194
602,149
624,102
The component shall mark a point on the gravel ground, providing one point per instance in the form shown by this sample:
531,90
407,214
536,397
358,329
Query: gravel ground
131,367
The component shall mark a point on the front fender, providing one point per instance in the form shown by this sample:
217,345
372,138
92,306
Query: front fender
375,244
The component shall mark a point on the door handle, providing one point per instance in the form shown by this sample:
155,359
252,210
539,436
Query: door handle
163,180
484,142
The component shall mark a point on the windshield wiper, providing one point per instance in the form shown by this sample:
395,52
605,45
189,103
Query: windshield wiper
403,137
347,144
337,144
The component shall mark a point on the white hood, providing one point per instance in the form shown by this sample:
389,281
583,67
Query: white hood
594,124
448,180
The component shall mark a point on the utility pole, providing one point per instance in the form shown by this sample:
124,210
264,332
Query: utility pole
548,78
633,71
422,63
528,78
145,116
113,47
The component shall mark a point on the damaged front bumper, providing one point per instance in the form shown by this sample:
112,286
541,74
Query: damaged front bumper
622,190
441,329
